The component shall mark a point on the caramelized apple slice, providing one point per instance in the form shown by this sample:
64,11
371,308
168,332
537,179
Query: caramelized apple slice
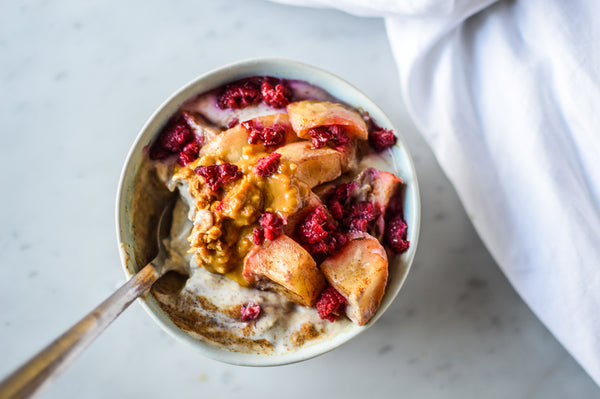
228,145
282,265
381,188
359,272
348,156
385,186
305,115
314,166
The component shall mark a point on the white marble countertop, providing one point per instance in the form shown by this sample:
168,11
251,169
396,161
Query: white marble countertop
78,80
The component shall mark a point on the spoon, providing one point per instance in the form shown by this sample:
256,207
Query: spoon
40,370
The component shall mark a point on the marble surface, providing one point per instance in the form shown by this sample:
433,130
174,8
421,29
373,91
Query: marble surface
78,80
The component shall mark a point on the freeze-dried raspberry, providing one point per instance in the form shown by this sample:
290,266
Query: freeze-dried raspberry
218,175
271,224
359,225
158,152
239,95
276,92
329,245
271,136
257,236
331,304
351,215
395,206
395,234
312,229
171,139
340,240
361,216
174,137
189,153
336,209
381,139
254,134
343,192
318,235
250,311
265,167
333,135
338,200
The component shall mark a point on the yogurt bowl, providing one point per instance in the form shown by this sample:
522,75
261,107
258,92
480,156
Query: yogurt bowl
141,198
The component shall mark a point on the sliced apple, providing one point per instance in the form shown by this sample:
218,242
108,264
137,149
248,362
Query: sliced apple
314,166
348,156
385,187
359,271
308,114
282,265
380,187
228,145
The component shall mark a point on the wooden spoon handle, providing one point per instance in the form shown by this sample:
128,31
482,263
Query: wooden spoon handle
31,377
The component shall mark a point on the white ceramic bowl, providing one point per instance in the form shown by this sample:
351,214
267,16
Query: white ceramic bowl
284,69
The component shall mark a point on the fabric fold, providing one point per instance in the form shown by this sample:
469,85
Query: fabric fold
505,92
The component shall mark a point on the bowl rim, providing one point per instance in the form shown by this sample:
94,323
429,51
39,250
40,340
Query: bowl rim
309,351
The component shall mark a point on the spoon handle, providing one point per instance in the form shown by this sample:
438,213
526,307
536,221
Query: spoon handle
32,376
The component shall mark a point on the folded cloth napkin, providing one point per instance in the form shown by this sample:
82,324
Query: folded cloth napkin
507,93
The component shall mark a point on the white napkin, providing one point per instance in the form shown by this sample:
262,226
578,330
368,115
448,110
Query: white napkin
507,94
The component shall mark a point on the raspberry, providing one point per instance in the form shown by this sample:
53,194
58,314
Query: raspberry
337,201
254,134
352,216
395,234
239,95
175,136
333,134
250,311
257,236
343,192
318,235
329,245
359,225
189,153
361,216
271,136
381,139
339,137
395,205
275,92
340,240
336,209
265,167
218,175
171,139
271,225
312,228
331,304
158,152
